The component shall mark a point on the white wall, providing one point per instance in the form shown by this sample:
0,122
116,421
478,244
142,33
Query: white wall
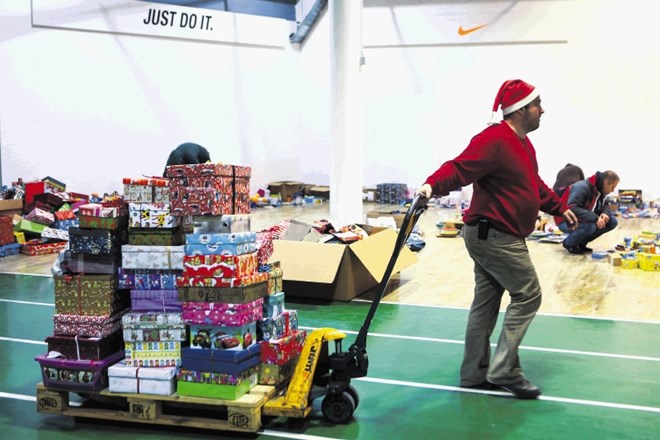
91,108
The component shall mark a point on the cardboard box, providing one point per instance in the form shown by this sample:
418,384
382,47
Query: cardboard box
382,217
286,189
338,272
11,206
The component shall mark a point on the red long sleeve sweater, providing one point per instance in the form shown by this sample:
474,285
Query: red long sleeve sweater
507,188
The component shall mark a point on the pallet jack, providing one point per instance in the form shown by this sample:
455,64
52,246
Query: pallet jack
320,373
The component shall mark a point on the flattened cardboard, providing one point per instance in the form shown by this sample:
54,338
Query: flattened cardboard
336,271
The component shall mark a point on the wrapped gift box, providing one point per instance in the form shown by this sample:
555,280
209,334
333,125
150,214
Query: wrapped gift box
88,295
153,354
183,281
275,273
273,305
223,337
6,230
28,226
145,279
75,375
222,224
151,215
156,237
66,224
274,374
10,249
85,348
155,300
214,385
155,333
209,188
209,313
280,351
220,266
110,223
264,246
231,362
647,261
91,326
91,264
221,244
42,247
41,216
236,295
278,327
102,210
57,234
152,257
64,214
51,199
146,190
96,241
128,379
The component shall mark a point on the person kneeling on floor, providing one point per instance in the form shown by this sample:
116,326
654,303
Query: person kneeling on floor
586,199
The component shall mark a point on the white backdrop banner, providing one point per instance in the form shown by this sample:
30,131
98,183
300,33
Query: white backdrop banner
465,23
161,20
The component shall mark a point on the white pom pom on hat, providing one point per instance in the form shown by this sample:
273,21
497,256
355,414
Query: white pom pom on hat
514,94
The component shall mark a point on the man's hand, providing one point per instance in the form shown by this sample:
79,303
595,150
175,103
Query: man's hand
571,219
602,221
425,190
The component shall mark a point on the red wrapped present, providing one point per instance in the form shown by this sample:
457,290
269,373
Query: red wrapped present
186,281
6,230
222,266
280,351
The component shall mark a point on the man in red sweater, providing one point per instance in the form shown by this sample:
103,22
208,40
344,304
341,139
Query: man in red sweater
500,163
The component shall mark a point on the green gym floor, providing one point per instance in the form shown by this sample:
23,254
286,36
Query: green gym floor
600,378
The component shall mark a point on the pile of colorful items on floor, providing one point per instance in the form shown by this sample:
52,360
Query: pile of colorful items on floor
641,251
167,290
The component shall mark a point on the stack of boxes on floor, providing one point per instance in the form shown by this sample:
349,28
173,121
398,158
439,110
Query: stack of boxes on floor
154,332
391,193
87,335
207,311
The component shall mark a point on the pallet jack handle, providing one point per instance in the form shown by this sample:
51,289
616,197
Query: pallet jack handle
417,207
355,362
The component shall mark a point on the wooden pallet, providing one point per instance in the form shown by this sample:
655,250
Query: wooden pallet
243,414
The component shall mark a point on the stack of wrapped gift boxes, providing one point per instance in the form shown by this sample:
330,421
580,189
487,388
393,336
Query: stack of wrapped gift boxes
95,245
150,264
87,336
281,341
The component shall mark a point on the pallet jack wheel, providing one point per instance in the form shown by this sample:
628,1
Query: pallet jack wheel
338,408
354,394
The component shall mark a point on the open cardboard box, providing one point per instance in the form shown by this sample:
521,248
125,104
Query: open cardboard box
374,216
11,206
337,271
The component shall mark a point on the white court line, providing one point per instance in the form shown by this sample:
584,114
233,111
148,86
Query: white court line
522,347
22,341
31,303
27,274
502,393
261,431
554,315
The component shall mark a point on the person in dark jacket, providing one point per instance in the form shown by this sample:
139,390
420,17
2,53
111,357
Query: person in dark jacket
188,153
586,200
508,193
566,177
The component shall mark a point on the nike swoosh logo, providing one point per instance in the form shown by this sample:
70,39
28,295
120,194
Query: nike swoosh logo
463,32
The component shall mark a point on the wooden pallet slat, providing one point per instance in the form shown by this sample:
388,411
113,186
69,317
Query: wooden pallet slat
243,414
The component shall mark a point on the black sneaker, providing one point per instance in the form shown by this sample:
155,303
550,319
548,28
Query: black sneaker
522,390
485,385
585,249
572,249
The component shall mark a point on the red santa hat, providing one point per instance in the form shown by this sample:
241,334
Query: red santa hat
513,95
